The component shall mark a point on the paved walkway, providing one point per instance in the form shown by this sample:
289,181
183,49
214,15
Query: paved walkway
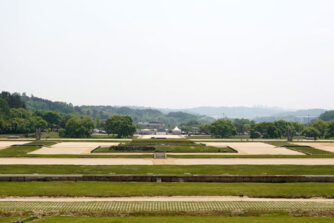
169,161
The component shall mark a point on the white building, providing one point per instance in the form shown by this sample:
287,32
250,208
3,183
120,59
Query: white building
176,131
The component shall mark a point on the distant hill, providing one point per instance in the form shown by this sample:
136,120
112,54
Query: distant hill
103,112
258,114
174,116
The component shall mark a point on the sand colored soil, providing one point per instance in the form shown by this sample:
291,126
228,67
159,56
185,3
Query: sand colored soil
72,148
255,148
6,144
162,198
322,146
169,161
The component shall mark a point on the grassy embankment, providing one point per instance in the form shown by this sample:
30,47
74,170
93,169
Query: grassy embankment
170,169
165,145
125,189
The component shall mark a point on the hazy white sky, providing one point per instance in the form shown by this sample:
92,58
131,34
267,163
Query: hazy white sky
170,53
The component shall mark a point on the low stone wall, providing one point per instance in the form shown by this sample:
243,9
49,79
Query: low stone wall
169,178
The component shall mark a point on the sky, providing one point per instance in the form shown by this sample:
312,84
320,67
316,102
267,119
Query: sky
170,53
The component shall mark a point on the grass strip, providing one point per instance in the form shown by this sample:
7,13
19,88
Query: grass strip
169,169
126,189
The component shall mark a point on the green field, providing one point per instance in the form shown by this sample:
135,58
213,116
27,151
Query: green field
184,219
125,189
169,169
174,149
166,145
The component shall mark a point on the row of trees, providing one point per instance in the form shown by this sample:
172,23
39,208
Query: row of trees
226,128
16,119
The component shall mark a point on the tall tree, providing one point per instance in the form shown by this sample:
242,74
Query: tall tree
222,128
120,125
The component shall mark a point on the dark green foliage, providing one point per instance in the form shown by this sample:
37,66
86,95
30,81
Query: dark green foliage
222,128
120,125
330,130
311,132
327,116
243,125
4,109
320,126
78,128
40,104
13,100
266,130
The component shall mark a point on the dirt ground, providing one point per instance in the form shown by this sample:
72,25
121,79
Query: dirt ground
169,161
72,147
255,148
6,144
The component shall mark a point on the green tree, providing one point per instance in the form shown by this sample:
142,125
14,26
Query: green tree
242,125
39,122
321,126
330,130
4,109
327,116
311,132
222,128
52,118
266,130
120,125
78,128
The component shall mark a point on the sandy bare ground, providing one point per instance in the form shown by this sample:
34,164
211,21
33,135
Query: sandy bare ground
162,198
255,148
169,161
322,146
72,148
6,144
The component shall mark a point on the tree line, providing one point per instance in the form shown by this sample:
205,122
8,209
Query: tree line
16,119
224,128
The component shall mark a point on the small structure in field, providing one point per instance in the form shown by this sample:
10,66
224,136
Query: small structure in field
176,131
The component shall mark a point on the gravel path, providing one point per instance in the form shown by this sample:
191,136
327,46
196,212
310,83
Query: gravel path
161,198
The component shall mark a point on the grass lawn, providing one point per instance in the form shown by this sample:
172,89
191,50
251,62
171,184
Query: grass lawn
184,219
126,189
169,169
309,150
174,149
10,219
